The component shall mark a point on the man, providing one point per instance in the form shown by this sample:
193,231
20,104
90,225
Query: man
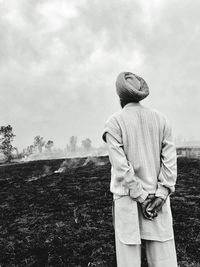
143,175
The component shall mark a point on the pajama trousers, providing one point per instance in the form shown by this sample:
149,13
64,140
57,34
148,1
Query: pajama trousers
158,254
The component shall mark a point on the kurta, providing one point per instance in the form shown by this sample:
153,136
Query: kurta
143,159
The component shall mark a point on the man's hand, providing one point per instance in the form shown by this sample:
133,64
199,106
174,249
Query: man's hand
148,215
155,205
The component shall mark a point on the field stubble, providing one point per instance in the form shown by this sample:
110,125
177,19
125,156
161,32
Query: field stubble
58,213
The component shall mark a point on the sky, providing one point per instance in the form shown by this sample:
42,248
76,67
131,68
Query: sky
59,60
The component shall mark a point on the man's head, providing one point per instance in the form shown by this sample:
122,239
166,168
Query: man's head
131,88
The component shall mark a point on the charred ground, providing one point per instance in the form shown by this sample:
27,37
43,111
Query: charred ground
65,219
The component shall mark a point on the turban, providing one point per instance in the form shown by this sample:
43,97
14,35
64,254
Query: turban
130,87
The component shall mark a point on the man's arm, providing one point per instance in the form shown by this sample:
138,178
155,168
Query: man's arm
168,172
122,167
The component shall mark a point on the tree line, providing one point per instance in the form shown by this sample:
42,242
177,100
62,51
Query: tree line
39,145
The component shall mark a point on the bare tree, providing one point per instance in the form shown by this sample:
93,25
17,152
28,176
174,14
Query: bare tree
6,138
39,143
30,149
87,144
49,145
73,143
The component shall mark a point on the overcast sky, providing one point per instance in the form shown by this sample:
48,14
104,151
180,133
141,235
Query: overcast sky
59,60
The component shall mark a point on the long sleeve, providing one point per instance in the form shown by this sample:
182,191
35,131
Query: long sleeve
124,172
168,172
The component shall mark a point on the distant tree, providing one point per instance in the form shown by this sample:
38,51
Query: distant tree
49,145
87,144
6,138
30,149
17,154
24,153
73,143
67,148
39,143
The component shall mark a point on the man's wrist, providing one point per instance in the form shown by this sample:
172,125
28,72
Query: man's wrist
142,197
162,192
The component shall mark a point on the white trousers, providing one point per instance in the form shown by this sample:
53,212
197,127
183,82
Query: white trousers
159,254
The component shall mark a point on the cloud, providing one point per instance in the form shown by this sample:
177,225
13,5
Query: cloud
59,60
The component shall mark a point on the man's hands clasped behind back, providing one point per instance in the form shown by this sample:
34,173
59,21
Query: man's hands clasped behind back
151,206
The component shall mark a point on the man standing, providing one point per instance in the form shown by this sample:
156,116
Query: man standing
143,175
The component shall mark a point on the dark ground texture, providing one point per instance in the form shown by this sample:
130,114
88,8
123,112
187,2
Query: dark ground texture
64,219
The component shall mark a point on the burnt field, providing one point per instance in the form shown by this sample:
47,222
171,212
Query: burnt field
64,218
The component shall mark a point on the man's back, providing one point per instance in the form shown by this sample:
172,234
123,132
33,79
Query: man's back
143,132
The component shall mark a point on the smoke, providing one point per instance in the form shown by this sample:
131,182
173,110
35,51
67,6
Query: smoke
67,165
46,171
96,161
57,153
74,163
